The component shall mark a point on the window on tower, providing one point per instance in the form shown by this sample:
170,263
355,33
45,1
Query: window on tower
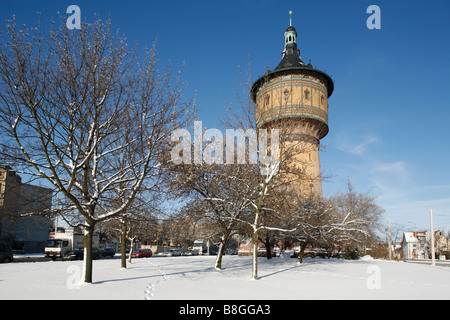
266,100
307,94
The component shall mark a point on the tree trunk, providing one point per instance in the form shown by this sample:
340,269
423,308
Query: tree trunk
88,235
123,248
301,252
131,250
255,239
218,264
266,242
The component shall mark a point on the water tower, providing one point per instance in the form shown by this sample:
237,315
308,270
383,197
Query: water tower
299,93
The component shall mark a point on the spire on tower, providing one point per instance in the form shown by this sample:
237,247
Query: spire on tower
291,53
290,36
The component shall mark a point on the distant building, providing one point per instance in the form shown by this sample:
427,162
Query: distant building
246,247
415,245
441,245
20,205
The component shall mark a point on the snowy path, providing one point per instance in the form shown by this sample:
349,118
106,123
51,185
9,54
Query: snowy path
149,291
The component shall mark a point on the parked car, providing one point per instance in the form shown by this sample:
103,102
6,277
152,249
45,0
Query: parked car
97,253
172,253
190,253
6,253
142,253
76,254
108,252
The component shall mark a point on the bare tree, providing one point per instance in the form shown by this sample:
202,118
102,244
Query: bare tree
268,182
73,102
132,227
355,218
246,190
346,220
216,194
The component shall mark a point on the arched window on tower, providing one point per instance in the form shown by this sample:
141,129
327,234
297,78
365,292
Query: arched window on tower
266,100
307,94
286,94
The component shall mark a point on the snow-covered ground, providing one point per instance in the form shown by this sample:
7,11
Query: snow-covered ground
193,278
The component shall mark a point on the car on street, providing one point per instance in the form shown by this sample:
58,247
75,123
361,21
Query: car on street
213,252
97,253
172,253
6,253
76,254
190,253
108,252
142,253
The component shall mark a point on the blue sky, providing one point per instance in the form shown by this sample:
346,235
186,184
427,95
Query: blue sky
389,112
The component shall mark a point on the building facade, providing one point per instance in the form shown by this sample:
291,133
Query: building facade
415,245
295,94
21,206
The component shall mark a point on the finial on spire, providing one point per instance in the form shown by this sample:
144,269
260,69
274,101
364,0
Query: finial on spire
290,18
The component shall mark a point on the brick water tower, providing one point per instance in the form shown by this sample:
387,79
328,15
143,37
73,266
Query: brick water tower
296,94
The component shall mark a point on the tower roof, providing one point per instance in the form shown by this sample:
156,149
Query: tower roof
291,53
291,58
291,63
290,28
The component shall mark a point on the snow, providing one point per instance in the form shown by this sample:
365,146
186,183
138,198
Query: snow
194,278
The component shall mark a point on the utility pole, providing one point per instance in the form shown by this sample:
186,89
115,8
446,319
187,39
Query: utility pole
433,260
389,239
56,216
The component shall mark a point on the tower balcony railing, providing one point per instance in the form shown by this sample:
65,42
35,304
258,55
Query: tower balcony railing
293,111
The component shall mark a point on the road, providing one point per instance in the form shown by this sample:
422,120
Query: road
441,263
